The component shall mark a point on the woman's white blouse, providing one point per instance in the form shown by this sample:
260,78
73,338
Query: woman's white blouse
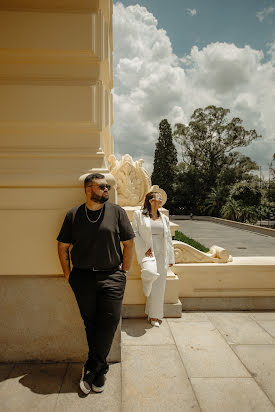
157,230
156,227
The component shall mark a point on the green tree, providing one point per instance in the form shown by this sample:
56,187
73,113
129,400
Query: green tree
268,198
248,193
249,214
236,168
231,210
165,162
272,168
187,196
244,203
208,148
215,200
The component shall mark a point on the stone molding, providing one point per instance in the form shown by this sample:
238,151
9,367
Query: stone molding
84,57
98,111
68,6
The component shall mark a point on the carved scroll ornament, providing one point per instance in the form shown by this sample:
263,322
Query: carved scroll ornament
185,253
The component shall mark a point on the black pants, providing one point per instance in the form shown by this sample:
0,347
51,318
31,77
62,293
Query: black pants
99,296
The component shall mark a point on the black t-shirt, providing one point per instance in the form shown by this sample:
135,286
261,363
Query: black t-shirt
96,244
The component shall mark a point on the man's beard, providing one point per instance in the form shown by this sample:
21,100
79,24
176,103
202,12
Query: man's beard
99,199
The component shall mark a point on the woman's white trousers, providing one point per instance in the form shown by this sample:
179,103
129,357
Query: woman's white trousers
155,301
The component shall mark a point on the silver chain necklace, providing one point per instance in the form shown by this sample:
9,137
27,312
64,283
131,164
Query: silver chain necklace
93,221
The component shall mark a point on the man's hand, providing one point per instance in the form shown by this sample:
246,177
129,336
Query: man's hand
149,253
67,275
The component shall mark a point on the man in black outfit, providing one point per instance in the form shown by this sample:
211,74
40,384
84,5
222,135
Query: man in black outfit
98,278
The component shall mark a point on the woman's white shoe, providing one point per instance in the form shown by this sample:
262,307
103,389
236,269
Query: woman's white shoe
155,323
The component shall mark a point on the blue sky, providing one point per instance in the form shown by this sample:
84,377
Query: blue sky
229,50
231,21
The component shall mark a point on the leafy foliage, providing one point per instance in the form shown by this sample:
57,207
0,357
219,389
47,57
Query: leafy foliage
212,177
183,238
215,200
165,162
267,205
187,196
210,163
249,194
244,203
249,214
231,210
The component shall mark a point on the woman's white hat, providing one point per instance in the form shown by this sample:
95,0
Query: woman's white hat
163,194
148,274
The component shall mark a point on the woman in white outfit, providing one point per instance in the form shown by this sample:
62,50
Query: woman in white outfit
153,238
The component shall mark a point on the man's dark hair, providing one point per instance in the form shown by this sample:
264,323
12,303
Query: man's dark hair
91,177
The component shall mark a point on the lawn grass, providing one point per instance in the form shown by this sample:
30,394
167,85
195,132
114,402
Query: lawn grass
183,238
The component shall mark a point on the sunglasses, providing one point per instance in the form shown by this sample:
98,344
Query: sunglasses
102,186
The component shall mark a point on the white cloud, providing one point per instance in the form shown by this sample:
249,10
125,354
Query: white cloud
261,15
271,52
191,12
152,83
227,67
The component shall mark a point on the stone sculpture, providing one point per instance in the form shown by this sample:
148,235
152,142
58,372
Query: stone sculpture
133,181
185,253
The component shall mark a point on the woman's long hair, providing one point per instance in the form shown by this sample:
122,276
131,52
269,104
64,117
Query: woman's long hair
147,205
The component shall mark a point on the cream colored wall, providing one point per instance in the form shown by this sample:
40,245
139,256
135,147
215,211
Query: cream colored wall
55,117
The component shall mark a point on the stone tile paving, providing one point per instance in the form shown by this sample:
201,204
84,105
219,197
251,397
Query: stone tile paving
203,361
55,387
216,369
154,379
204,351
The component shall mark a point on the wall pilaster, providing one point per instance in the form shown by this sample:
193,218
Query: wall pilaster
56,111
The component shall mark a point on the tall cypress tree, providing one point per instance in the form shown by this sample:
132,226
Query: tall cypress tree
165,161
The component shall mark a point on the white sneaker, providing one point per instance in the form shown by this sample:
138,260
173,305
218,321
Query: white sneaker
87,378
98,384
155,323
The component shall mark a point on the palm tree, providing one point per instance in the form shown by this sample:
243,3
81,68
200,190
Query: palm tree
249,214
214,201
231,210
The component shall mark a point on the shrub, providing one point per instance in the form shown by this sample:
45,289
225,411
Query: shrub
183,238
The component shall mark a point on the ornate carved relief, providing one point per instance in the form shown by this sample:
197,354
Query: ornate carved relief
185,253
133,182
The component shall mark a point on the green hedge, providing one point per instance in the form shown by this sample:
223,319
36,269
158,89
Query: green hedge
183,238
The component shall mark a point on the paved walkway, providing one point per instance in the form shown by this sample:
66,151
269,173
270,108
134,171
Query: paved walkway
205,361
237,241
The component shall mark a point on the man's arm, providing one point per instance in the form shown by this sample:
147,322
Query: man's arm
128,249
64,257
